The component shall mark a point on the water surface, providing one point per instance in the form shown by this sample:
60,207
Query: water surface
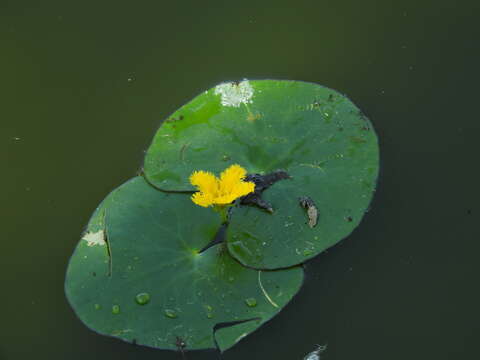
84,85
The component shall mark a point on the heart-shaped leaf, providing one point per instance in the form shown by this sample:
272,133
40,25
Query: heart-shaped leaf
318,136
138,274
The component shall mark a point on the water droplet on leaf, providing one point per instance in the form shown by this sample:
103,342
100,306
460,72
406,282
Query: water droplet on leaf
209,311
172,314
251,302
142,298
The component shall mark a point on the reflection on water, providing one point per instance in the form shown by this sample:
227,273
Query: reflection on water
315,354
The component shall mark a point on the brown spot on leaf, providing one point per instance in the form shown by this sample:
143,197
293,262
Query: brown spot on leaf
174,119
312,212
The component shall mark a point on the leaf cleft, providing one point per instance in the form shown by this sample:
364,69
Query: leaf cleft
219,238
142,174
227,334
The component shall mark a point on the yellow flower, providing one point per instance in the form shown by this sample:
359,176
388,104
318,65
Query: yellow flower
223,190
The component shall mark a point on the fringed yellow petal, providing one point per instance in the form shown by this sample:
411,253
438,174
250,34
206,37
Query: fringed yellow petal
226,199
205,181
230,177
221,191
202,199
244,188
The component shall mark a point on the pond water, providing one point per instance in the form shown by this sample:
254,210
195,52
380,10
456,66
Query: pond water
85,85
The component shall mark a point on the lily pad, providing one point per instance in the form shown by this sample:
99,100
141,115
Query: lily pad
277,124
318,136
149,284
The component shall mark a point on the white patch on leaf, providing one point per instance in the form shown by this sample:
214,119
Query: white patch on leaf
95,238
234,94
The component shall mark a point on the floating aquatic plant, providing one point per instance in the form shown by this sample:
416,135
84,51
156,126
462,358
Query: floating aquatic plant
155,269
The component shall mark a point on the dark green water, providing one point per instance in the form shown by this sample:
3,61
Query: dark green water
84,85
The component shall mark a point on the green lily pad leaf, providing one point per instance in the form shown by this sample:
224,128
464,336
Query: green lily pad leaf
269,241
318,136
263,125
149,283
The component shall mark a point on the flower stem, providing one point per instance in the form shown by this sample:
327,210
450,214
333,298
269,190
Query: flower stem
223,211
